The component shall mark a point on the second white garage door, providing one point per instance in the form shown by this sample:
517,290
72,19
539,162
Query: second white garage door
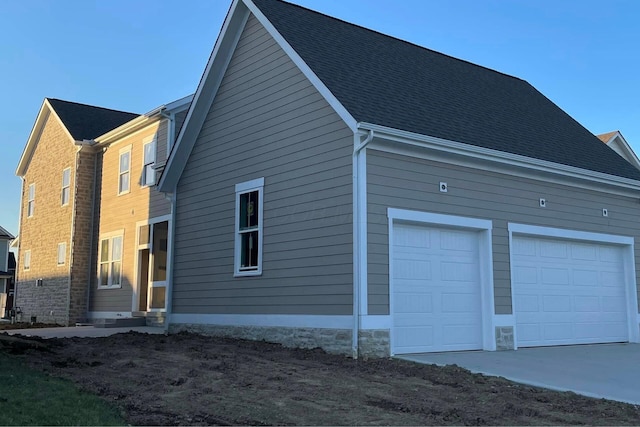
568,292
436,301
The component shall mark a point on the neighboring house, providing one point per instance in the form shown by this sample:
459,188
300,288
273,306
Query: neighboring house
88,174
336,187
7,272
617,143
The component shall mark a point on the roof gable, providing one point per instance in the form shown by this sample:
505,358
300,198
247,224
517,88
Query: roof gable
619,144
80,122
381,80
4,234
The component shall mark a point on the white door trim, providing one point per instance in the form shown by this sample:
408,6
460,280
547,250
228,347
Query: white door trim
627,242
485,259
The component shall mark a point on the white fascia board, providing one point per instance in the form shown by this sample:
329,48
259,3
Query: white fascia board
304,68
205,93
500,157
46,110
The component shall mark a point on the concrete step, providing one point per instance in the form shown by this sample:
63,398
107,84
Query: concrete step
121,322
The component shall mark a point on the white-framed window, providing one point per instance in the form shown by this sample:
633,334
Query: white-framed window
148,162
31,200
26,260
248,239
110,261
124,171
62,253
66,186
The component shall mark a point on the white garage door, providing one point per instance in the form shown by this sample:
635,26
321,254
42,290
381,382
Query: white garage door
436,302
568,292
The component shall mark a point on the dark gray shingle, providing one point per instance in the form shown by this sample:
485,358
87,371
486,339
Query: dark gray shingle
390,82
86,121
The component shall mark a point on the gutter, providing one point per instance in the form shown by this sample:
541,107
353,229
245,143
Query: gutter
357,237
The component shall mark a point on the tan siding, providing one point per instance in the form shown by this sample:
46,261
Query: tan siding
409,183
267,121
121,212
50,225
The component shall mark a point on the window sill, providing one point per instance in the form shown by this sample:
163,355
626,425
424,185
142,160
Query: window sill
247,273
124,192
110,287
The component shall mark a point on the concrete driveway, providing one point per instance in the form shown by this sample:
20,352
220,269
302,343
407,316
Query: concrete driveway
610,371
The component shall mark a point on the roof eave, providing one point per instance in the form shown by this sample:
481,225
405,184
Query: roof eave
501,157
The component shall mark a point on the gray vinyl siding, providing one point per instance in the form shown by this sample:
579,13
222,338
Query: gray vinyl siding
409,183
267,121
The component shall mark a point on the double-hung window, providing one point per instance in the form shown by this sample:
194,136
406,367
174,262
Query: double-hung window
124,171
62,253
31,201
248,239
148,162
110,266
66,186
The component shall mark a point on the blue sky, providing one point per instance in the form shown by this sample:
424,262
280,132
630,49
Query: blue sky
134,55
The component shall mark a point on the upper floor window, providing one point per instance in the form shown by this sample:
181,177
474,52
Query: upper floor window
66,186
148,163
62,253
26,260
31,203
124,172
248,241
110,265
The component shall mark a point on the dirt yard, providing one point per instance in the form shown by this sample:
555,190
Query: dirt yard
189,379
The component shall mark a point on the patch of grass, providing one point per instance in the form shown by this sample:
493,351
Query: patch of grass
30,397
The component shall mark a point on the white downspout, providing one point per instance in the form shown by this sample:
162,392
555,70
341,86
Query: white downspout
358,147
172,232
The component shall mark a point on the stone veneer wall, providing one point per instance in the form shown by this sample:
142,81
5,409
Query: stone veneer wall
337,341
47,303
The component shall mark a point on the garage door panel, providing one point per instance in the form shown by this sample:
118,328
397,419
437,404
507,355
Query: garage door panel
568,292
436,288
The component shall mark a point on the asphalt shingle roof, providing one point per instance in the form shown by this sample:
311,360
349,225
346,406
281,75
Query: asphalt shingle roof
390,82
86,121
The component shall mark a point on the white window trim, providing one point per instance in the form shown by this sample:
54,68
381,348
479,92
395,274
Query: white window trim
110,236
242,188
31,202
27,255
122,151
64,258
62,202
149,140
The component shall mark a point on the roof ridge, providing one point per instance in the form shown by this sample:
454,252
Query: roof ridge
91,106
400,40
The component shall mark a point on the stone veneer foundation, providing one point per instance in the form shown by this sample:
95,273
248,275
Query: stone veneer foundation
373,343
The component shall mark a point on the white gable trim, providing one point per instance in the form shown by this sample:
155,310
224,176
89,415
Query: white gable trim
203,98
620,145
306,70
45,112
